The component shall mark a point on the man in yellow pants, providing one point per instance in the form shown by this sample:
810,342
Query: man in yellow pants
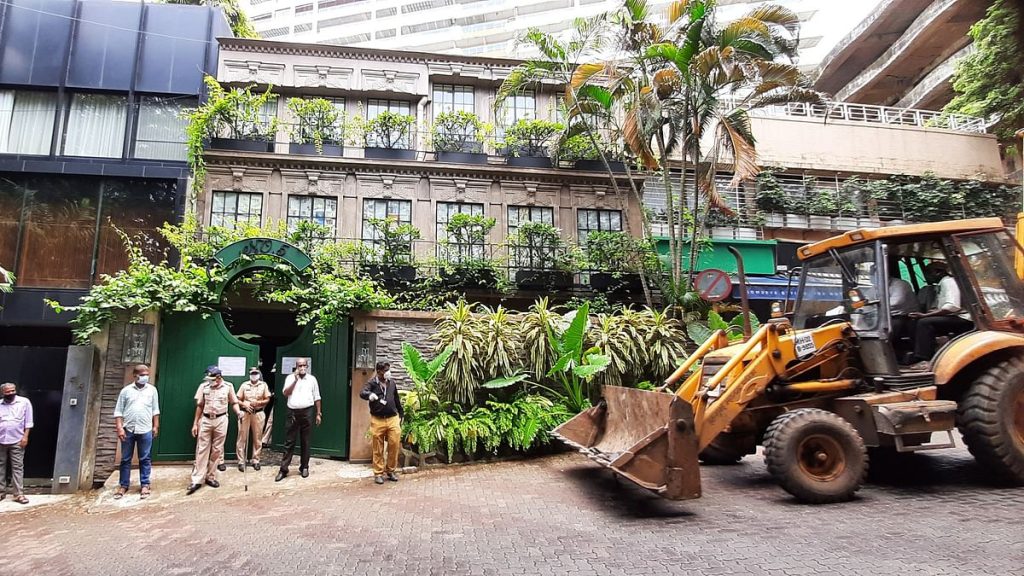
252,397
385,422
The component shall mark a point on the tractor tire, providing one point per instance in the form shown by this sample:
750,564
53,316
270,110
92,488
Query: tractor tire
721,454
991,419
816,456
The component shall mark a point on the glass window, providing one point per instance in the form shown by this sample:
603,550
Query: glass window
320,211
450,98
458,249
12,194
26,121
593,220
826,285
138,208
520,214
59,232
374,107
990,260
400,210
519,107
231,208
96,125
160,134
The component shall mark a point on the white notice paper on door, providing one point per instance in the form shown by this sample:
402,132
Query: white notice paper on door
232,365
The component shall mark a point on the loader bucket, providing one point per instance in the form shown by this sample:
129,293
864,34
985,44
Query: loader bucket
646,437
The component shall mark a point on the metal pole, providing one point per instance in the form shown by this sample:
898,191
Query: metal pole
747,332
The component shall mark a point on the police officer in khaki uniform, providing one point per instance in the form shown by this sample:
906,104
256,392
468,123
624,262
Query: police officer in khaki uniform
252,397
210,427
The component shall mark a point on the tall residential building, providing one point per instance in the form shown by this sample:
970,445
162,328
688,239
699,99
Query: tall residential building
902,54
492,27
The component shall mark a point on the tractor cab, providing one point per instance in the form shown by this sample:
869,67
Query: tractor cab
908,292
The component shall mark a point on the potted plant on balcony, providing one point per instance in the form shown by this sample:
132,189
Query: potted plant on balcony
771,200
233,119
459,137
580,150
615,260
388,136
527,142
846,212
318,128
722,225
821,206
542,259
389,258
463,253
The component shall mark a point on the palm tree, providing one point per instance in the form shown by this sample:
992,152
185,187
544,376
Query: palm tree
6,280
707,77
240,24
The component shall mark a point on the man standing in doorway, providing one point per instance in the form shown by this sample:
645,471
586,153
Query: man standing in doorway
385,422
252,397
15,425
137,418
210,427
303,394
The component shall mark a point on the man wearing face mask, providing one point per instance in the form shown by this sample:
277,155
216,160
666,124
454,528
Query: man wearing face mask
15,425
210,427
252,397
137,418
303,394
385,422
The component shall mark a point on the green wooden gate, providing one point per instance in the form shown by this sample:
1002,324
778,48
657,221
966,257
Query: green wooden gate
329,363
188,344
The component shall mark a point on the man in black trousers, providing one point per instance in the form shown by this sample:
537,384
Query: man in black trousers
303,394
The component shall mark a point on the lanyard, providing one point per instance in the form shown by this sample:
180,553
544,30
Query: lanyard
383,391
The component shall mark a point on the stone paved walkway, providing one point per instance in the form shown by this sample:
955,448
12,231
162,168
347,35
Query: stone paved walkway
933,514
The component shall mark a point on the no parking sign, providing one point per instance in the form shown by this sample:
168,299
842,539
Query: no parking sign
713,285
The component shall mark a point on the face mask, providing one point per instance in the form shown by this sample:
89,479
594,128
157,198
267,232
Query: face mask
9,397
254,377
387,375
142,381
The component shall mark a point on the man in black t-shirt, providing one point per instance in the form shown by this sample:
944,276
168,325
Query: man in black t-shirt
385,422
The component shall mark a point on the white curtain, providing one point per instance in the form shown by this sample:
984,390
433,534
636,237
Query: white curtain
161,131
26,121
96,126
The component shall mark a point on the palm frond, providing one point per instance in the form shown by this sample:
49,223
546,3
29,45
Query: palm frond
637,141
546,44
742,28
777,15
796,94
584,72
678,9
739,140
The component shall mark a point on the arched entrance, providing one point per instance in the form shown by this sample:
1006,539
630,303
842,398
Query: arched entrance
189,343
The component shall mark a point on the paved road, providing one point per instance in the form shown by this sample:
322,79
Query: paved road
554,515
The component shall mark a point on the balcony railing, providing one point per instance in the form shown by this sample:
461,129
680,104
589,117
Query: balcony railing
459,266
871,114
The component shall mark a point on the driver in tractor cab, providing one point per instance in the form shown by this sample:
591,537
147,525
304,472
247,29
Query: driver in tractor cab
947,317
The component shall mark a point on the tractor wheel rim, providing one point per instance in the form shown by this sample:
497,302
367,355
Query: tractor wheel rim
821,457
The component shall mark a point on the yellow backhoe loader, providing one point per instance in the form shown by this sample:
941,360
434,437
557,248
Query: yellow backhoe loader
898,336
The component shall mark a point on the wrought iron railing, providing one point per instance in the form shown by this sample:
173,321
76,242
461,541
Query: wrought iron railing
871,114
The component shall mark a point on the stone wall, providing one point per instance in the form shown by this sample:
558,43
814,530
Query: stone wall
113,379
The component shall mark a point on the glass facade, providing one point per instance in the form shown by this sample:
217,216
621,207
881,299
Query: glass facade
96,125
520,214
588,221
160,132
26,121
231,208
61,231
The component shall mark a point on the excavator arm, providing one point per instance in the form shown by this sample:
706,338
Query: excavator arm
654,438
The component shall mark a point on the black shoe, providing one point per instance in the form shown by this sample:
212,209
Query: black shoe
222,467
304,472
392,476
280,475
256,466
213,484
241,467
192,489
378,479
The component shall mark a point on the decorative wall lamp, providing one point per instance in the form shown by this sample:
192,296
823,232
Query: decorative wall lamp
366,350
138,342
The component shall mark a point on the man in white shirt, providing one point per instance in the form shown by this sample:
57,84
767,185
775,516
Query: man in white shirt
137,419
303,394
947,317
902,301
